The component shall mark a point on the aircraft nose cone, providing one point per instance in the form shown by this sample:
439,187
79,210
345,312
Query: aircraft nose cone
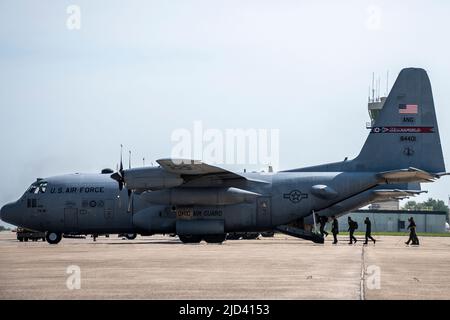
5,212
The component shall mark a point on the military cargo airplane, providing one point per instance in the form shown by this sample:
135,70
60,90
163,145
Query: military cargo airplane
199,202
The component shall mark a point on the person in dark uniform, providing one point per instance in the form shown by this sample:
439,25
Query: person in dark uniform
369,231
412,233
352,226
323,221
335,229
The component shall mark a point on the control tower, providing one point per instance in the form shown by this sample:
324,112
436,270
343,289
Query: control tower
374,106
375,101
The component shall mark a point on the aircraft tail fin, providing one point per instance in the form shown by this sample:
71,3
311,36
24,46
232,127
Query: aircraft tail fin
405,134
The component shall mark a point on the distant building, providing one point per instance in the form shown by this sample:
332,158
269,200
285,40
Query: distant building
375,106
392,205
397,220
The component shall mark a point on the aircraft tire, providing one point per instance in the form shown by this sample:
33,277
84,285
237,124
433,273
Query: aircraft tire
25,239
20,239
53,237
233,236
190,238
131,236
215,238
267,234
250,236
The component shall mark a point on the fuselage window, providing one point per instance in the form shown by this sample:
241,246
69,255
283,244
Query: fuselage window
38,187
42,187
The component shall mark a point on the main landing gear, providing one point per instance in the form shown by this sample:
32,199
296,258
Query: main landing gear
131,236
53,237
210,238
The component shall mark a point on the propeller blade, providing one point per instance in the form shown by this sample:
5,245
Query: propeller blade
121,162
119,175
129,160
130,193
116,176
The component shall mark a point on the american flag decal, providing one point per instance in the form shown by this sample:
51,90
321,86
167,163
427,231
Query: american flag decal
408,109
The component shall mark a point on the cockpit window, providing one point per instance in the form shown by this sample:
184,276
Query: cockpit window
38,187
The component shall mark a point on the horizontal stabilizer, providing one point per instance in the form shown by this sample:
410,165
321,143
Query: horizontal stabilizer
396,193
441,174
407,175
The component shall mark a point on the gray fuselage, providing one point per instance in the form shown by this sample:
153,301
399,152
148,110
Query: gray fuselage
93,203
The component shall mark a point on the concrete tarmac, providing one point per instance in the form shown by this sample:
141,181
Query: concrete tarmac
160,267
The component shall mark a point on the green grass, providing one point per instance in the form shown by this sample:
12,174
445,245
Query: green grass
403,234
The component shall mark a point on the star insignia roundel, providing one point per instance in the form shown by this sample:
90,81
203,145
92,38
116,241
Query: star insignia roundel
295,196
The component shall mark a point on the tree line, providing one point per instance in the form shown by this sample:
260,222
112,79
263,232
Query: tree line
430,204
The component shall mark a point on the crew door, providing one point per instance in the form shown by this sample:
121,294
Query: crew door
109,210
71,219
263,212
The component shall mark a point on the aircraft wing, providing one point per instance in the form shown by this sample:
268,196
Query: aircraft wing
180,172
196,170
193,167
407,175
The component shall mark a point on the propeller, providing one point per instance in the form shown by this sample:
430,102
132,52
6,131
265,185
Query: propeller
130,192
119,175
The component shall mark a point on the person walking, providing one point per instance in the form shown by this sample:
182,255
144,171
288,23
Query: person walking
368,224
323,222
335,229
352,226
412,233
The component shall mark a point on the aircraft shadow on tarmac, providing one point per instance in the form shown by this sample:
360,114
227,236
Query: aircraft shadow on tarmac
142,242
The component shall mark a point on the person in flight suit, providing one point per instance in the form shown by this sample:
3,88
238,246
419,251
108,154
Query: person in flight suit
352,226
369,231
412,233
335,229
322,221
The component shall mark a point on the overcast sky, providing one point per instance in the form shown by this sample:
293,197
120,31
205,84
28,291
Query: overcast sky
138,70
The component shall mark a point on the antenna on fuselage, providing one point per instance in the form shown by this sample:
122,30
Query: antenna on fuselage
373,86
387,83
